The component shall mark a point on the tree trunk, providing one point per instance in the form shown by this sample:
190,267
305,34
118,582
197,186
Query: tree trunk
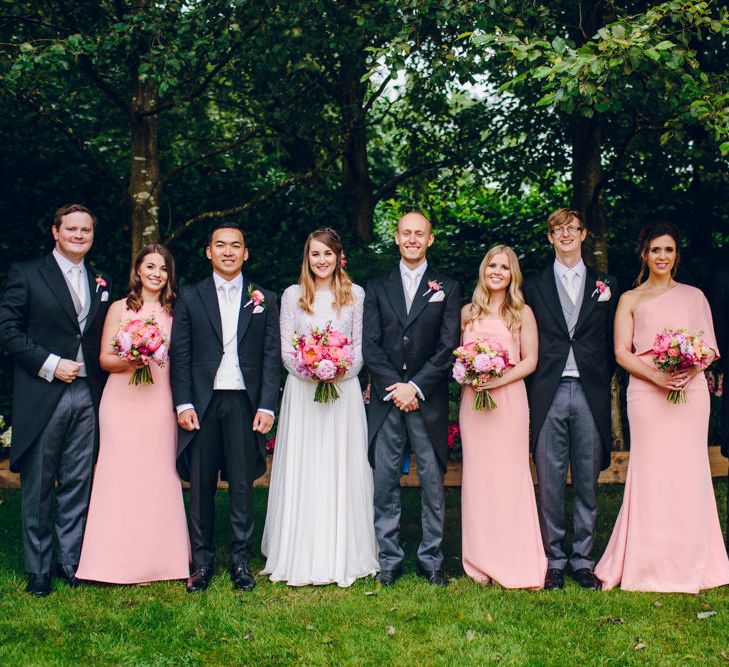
144,170
355,166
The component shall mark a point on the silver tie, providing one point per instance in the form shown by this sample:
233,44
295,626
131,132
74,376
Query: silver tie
76,277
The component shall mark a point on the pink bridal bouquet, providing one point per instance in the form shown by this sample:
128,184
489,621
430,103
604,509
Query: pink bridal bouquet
141,340
476,362
323,355
675,349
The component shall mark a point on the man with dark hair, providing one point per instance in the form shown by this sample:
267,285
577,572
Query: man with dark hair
411,326
719,298
569,394
225,360
51,318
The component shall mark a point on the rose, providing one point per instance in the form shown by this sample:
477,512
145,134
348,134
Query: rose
482,363
326,370
673,352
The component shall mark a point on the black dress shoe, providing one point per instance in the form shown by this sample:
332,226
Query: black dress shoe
242,579
39,585
199,580
388,577
554,579
68,574
433,577
586,578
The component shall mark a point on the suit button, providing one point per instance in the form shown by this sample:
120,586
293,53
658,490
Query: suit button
78,336
405,339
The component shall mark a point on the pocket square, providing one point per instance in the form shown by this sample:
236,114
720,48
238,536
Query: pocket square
438,296
605,295
257,309
105,296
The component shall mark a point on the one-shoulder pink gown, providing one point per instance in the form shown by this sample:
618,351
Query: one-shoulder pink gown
501,539
136,529
667,537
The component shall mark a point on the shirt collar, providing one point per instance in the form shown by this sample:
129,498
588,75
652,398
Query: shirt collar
237,282
418,271
66,264
560,269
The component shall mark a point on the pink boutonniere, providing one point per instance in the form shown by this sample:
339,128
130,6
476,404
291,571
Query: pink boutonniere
602,289
255,297
100,282
433,286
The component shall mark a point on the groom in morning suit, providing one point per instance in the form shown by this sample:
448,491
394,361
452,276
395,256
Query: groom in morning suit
225,370
51,318
569,394
411,326
720,310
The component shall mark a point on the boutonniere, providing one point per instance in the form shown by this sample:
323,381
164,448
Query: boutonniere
255,297
100,282
433,286
603,289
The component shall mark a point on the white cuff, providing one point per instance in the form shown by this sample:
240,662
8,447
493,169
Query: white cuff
184,406
417,389
268,412
48,369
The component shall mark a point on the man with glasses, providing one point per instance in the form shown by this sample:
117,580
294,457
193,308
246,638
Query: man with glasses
569,394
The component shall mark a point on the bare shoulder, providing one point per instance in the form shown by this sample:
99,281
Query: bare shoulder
631,298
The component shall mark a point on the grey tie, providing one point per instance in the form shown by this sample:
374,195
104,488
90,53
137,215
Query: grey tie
412,286
76,277
569,279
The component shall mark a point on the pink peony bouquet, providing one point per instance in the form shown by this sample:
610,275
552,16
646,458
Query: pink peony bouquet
477,361
323,355
142,340
675,349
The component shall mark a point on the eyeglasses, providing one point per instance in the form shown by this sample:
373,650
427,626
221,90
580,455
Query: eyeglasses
572,229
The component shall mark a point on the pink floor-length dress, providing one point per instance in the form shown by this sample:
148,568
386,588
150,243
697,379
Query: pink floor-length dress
500,533
667,537
136,529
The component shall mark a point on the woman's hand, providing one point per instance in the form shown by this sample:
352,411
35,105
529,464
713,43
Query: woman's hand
137,363
490,382
675,380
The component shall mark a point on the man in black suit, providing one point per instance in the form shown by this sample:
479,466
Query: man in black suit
720,310
569,394
411,326
225,373
51,319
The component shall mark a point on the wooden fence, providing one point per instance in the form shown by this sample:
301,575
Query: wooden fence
615,474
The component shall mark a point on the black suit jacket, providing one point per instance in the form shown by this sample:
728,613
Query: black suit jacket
196,350
37,318
592,344
423,340
720,312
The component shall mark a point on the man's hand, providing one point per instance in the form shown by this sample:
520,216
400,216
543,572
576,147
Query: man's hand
412,406
262,422
66,370
404,394
187,419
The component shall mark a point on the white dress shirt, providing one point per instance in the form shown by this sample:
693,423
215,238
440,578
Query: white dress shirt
48,368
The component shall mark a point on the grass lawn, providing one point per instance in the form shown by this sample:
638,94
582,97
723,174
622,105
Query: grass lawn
411,623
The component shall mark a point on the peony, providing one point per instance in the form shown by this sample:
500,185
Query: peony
152,336
326,370
336,339
311,354
161,353
497,364
482,363
124,341
459,371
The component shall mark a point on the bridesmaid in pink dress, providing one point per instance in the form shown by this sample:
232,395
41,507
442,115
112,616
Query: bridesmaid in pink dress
501,537
667,537
136,529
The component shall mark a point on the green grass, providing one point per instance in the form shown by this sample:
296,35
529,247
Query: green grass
466,624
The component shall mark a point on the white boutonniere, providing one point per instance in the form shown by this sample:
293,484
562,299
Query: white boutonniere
257,298
603,289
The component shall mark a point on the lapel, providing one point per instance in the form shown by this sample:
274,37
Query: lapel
209,298
421,299
588,300
246,311
396,295
51,274
94,296
547,286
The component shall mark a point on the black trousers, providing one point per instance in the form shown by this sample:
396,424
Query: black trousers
225,441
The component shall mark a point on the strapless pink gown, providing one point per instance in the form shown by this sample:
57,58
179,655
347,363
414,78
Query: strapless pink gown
667,537
501,537
136,529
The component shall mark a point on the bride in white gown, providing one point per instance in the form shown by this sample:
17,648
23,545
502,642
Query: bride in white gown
319,524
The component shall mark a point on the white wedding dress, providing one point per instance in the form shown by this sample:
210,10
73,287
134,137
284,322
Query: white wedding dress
319,524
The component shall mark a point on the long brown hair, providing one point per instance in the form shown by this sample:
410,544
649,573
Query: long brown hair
341,282
649,232
169,291
513,304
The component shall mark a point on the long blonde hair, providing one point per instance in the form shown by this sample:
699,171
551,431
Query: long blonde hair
341,282
513,304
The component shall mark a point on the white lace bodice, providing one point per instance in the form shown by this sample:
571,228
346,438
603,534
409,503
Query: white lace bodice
294,320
